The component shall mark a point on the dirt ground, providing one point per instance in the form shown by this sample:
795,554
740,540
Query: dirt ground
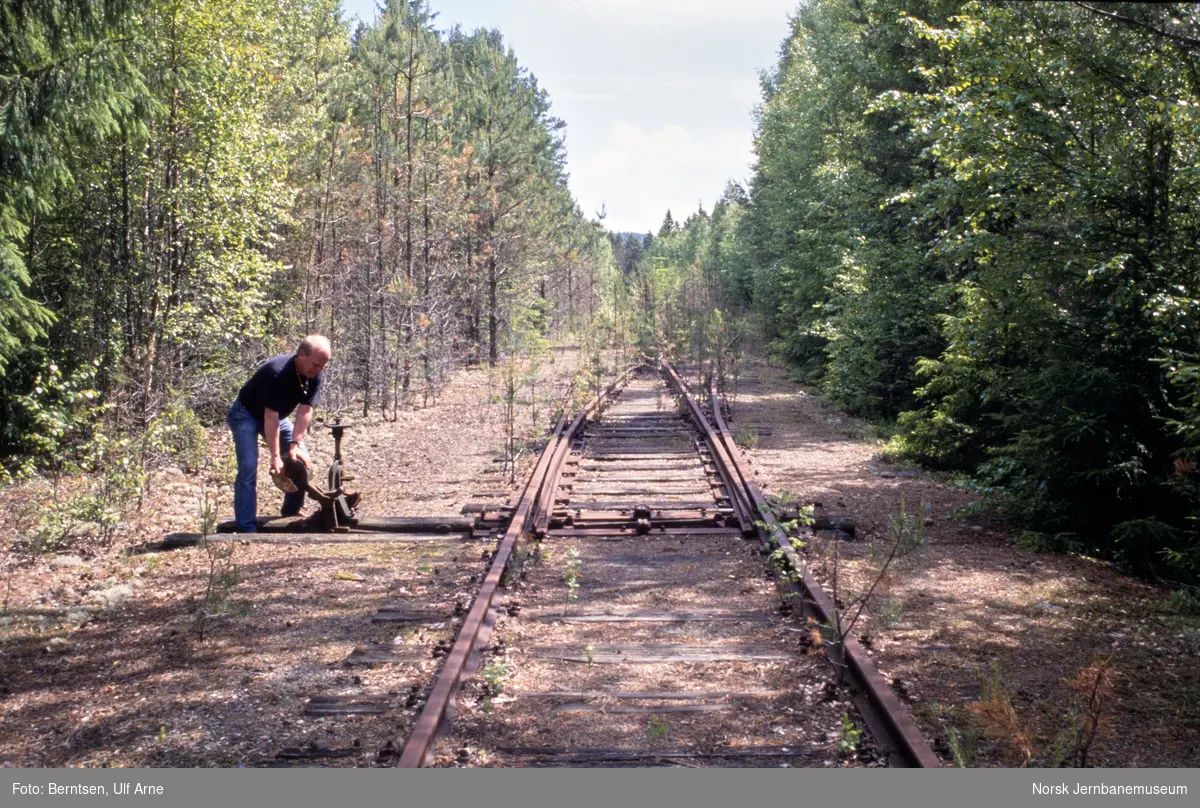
119,657
970,603
122,657
552,688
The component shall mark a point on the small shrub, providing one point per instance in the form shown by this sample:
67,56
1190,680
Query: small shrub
906,533
571,573
1049,543
995,711
516,566
494,674
1093,687
224,575
888,610
962,746
747,436
657,729
58,417
1184,601
208,512
93,506
176,435
850,738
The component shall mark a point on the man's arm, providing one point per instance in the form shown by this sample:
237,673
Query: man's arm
299,430
271,433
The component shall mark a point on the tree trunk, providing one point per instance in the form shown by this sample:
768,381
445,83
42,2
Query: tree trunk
493,282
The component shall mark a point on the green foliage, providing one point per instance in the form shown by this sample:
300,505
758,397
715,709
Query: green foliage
888,610
118,478
747,436
850,738
66,432
66,80
657,729
972,218
906,534
1184,601
186,186
1068,739
843,281
58,417
224,575
962,746
1049,543
208,512
494,674
571,573
992,250
176,434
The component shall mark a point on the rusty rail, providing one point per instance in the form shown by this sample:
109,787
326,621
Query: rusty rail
889,722
421,740
899,731
545,503
537,498
742,506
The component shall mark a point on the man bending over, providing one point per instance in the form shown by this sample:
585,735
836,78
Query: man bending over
287,382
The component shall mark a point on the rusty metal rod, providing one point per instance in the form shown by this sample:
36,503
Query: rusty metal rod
742,509
546,498
420,741
900,725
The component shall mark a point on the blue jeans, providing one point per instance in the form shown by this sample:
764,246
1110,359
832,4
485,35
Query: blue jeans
246,429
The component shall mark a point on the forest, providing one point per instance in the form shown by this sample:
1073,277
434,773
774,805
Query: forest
904,422
187,185
975,224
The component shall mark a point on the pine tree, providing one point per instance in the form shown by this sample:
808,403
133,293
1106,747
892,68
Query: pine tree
66,80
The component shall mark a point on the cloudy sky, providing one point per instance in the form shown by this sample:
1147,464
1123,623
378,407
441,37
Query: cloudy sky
656,94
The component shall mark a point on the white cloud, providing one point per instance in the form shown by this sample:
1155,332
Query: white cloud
656,94
639,175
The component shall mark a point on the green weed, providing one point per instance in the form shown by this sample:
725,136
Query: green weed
850,738
494,674
224,575
962,746
747,436
657,729
571,574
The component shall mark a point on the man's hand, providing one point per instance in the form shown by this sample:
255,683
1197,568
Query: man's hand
298,452
277,465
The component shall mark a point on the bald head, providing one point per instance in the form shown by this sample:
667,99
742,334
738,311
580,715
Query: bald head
312,355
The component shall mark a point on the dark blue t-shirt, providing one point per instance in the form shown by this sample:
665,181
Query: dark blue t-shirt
277,385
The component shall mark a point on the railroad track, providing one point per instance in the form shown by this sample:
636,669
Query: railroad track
646,629
642,621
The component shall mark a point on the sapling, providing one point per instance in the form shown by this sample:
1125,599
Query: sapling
493,677
1094,686
223,577
657,729
962,746
999,717
571,575
850,737
905,536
